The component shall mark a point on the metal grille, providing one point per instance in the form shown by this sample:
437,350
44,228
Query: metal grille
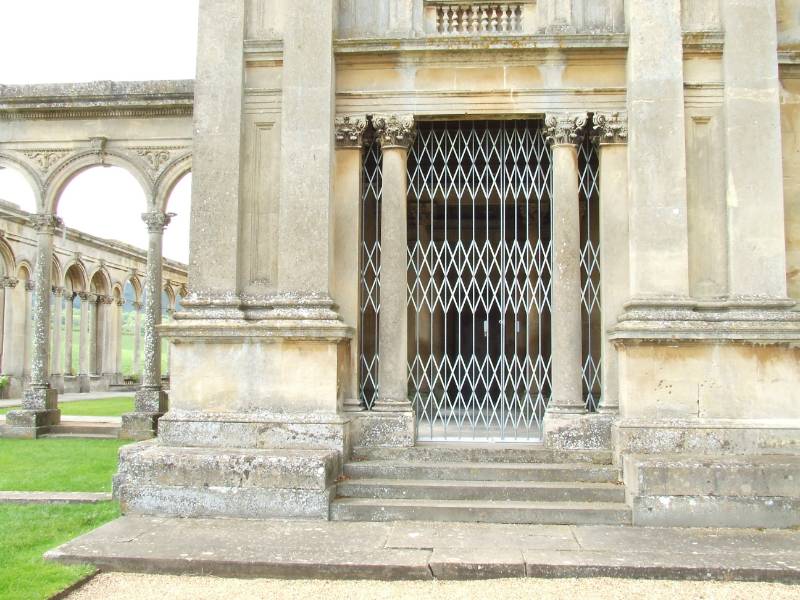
479,272
588,164
370,286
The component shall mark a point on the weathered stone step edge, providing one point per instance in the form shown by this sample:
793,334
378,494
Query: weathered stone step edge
560,565
84,436
481,471
481,490
483,453
54,497
545,513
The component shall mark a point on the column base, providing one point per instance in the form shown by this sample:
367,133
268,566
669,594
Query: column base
84,384
391,405
353,405
139,425
577,431
31,424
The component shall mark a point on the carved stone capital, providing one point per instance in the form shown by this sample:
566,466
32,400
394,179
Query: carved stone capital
9,282
350,131
46,223
29,285
610,127
565,128
137,306
58,291
84,296
120,302
105,299
395,131
156,221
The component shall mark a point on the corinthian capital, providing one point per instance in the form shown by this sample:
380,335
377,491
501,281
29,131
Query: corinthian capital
349,131
46,222
156,221
565,128
395,131
611,127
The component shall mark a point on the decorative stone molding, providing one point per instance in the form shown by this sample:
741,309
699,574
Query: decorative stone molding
156,221
349,131
47,223
9,282
46,159
565,128
610,127
99,147
157,157
395,131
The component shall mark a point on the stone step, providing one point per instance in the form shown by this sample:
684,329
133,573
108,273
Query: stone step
547,513
466,471
83,436
85,428
522,491
482,453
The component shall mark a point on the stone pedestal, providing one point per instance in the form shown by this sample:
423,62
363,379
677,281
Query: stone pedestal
40,412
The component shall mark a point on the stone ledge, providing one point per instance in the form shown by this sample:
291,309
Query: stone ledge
149,464
716,511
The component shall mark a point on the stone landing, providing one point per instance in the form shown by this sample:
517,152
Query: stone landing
335,550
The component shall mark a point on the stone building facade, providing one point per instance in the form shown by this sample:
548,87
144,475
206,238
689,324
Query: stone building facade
557,231
90,274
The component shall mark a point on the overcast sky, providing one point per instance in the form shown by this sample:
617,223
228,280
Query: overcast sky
54,41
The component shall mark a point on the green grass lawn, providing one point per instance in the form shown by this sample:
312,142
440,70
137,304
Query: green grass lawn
58,465
107,407
28,531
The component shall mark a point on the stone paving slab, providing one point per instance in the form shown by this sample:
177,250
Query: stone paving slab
357,550
53,497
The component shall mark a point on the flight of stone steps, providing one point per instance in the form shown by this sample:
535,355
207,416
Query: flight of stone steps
490,484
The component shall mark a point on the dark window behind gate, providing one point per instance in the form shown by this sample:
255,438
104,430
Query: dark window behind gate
479,271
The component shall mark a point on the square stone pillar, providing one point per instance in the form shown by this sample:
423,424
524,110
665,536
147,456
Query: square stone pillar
756,235
260,357
659,243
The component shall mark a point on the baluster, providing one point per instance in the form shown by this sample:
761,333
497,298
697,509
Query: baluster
518,19
474,18
465,19
446,20
504,18
493,18
484,19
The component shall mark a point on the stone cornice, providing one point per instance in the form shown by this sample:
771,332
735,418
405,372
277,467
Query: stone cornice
99,99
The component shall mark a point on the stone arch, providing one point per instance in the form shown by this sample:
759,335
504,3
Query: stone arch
75,273
167,181
7,261
28,172
24,270
136,284
57,275
84,161
100,276
167,288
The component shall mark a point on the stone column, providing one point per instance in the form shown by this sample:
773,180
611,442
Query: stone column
40,402
137,339
396,134
756,236
93,354
611,134
58,304
118,338
3,286
68,325
27,331
565,132
347,237
12,339
106,336
151,401
83,343
659,242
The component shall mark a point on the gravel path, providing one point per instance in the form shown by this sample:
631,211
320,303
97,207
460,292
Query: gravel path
163,587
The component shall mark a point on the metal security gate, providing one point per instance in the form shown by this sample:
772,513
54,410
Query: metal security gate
479,270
